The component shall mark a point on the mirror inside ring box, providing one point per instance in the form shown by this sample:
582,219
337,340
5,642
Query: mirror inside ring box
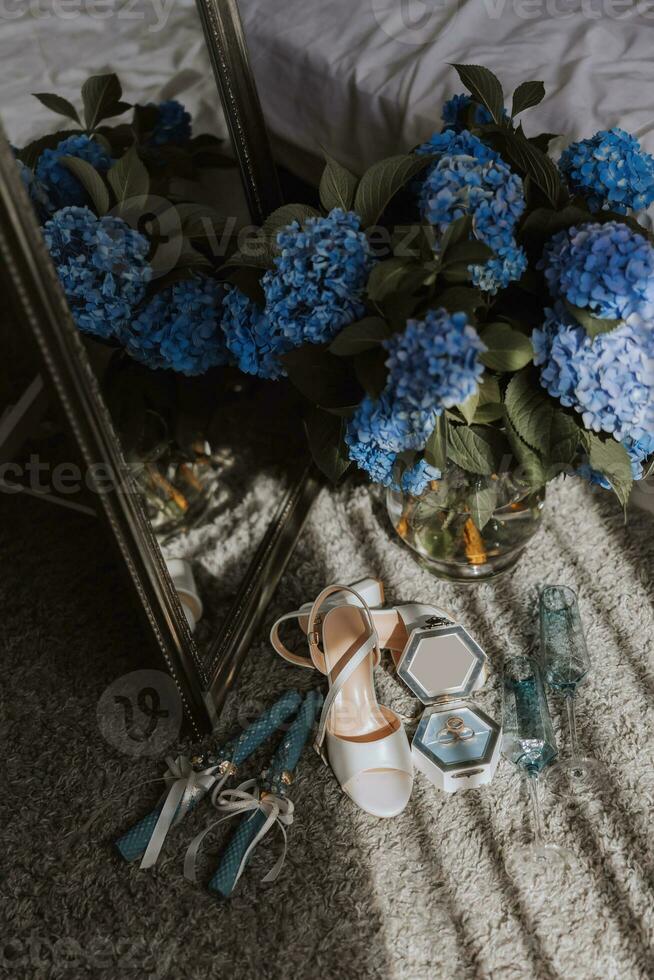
456,745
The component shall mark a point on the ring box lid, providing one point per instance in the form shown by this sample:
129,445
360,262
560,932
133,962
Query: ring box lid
442,662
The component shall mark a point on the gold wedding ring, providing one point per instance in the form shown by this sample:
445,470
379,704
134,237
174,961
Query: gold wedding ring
455,730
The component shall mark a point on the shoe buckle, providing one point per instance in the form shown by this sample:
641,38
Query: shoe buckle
314,635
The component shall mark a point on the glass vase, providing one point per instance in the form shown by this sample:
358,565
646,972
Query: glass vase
468,528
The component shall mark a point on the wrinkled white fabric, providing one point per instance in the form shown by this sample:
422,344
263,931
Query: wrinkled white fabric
359,78
352,77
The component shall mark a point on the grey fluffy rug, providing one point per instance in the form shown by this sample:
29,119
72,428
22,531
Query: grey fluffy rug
425,895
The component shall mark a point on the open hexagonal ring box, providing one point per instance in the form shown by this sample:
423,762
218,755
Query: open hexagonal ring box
456,745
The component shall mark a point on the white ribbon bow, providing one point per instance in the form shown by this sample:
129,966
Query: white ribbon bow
237,802
184,786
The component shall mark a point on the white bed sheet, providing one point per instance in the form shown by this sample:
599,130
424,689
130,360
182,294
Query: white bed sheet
348,75
351,76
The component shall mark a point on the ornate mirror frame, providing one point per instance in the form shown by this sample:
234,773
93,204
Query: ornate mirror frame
32,287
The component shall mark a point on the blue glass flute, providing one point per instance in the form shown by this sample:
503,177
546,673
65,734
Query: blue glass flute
565,661
529,743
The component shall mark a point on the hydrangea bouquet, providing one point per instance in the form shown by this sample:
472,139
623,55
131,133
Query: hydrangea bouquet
465,310
471,305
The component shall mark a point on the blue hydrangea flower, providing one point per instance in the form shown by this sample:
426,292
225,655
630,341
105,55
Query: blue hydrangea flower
471,179
416,479
434,364
102,265
366,440
251,336
173,123
63,188
378,431
605,268
640,451
37,191
318,284
509,264
609,380
179,328
454,108
394,424
611,171
461,143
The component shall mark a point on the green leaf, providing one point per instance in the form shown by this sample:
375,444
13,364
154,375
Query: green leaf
611,459
337,186
457,272
528,462
321,377
101,96
472,449
394,276
539,226
526,95
91,181
489,412
536,164
469,406
489,389
484,87
128,177
436,447
482,501
543,140
58,104
540,422
284,216
382,181
593,325
508,349
459,231
471,252
462,299
326,436
490,407
362,335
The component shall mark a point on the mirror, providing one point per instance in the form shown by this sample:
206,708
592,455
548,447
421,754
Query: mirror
116,225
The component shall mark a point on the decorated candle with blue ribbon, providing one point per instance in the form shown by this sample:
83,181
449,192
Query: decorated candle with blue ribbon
188,782
269,806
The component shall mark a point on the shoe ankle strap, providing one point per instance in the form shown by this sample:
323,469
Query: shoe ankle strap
281,649
313,633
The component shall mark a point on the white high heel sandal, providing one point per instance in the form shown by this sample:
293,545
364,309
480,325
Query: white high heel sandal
364,742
